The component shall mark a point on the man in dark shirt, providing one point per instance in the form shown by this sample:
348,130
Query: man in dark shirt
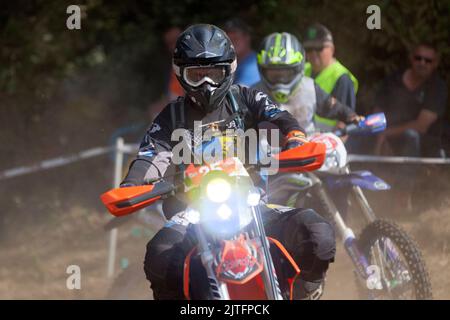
414,102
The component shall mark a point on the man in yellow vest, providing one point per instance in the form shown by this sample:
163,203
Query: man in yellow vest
327,71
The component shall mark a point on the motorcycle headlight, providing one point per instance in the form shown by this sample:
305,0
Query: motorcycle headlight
218,190
192,215
253,198
224,212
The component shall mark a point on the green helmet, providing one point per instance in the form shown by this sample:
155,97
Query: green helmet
281,63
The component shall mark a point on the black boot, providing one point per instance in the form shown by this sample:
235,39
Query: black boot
308,290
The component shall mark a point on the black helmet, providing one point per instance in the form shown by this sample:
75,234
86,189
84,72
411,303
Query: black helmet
204,62
281,63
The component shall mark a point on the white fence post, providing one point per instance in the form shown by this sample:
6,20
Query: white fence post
118,166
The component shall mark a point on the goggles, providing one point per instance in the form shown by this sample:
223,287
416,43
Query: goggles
213,74
280,75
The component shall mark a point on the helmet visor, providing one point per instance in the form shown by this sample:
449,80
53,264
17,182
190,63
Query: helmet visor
214,75
280,75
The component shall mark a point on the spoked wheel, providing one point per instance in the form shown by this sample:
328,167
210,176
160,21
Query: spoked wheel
399,271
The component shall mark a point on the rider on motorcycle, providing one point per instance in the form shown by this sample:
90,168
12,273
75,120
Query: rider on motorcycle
281,64
204,61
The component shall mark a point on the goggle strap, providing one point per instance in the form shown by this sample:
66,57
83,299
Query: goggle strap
176,69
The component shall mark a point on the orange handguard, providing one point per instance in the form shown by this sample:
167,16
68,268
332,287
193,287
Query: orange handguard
123,201
308,157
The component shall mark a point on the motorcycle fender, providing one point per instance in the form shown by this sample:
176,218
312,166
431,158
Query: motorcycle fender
363,179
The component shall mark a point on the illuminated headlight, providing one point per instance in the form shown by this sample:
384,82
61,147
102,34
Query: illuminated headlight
253,198
218,190
192,215
224,212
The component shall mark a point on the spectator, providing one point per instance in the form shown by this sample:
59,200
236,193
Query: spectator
414,101
173,88
240,35
327,72
170,36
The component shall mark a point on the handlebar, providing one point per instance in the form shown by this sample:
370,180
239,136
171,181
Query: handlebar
123,201
372,124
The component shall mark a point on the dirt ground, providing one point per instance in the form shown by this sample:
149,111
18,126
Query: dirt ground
34,262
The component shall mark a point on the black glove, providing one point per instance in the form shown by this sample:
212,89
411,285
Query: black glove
127,184
291,144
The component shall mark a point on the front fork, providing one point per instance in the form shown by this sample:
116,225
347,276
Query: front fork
219,289
362,202
269,275
346,233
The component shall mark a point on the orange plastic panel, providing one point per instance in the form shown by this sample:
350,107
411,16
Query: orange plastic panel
286,254
251,290
186,273
308,157
117,201
238,256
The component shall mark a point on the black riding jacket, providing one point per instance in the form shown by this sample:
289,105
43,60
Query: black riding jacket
155,151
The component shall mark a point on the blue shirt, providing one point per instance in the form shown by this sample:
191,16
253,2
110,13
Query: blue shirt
247,73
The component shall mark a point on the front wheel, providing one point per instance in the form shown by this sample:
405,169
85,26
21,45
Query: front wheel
396,261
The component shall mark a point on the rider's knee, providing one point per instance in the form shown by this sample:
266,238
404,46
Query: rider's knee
321,234
325,240
161,251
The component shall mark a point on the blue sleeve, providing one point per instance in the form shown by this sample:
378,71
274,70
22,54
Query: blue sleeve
247,72
344,91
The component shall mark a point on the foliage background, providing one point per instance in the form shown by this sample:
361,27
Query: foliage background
121,40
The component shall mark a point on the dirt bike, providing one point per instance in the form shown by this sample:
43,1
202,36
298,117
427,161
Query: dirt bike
388,262
233,258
